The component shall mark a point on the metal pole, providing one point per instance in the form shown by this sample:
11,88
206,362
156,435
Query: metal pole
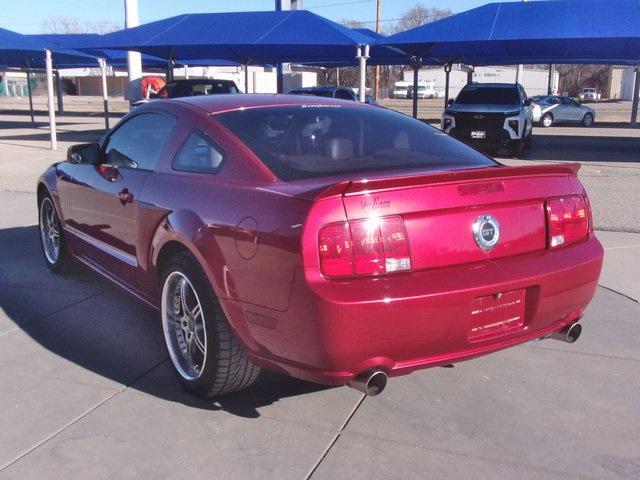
33,119
105,94
279,69
337,76
59,93
470,76
363,55
52,112
134,59
519,73
416,70
186,72
447,73
550,82
246,78
636,95
376,83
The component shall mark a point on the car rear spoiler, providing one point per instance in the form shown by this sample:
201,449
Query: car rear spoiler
403,182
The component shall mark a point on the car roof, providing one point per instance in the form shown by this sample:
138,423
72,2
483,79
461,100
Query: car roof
236,101
492,85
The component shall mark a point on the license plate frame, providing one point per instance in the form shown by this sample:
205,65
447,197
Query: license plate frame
496,315
478,134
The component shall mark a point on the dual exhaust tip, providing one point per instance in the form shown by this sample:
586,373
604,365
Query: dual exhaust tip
373,382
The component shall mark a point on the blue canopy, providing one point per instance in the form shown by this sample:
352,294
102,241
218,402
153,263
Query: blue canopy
243,37
115,58
21,51
556,31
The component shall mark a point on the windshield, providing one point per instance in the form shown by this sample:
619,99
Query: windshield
307,141
474,95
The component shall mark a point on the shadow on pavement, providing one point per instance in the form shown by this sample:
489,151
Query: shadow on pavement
584,148
78,316
63,136
68,113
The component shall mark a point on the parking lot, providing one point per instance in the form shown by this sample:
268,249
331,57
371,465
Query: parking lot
86,389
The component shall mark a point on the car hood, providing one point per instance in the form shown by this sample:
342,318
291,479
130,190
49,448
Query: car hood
456,107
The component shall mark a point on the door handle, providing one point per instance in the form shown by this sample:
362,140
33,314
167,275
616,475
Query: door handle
125,196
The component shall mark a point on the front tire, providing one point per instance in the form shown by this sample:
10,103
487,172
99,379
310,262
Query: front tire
206,356
587,120
517,148
547,120
52,242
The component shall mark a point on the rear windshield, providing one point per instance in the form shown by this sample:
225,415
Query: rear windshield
307,141
315,93
488,96
206,88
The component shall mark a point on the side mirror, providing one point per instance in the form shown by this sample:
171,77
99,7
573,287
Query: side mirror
451,101
84,153
527,102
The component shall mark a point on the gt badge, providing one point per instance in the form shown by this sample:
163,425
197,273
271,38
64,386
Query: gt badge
486,231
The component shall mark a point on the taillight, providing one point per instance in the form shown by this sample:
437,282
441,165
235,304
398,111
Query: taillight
373,246
567,220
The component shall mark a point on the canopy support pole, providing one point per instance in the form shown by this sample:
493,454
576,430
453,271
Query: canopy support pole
414,96
52,112
550,82
59,92
362,55
105,93
186,72
170,66
636,95
447,78
246,78
31,112
470,75
337,76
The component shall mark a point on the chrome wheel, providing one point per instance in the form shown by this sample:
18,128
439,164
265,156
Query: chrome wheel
49,230
183,325
547,120
587,121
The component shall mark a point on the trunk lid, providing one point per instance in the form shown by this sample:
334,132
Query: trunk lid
440,209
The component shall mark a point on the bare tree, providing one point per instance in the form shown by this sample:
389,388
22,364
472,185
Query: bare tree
419,15
574,78
62,25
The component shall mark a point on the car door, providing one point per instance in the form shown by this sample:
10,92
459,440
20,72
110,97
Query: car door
103,196
567,109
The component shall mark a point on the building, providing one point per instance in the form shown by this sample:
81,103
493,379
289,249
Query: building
535,80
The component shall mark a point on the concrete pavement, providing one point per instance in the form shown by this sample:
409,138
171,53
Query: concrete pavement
86,390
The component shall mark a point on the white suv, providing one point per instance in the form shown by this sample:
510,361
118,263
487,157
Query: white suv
491,116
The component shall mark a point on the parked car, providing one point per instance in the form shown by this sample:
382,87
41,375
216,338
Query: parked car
326,239
401,89
491,116
332,92
553,109
192,87
589,95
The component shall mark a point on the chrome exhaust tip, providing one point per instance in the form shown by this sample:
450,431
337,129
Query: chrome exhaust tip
370,383
568,334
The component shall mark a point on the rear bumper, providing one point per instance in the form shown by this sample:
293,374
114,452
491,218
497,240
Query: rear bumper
335,330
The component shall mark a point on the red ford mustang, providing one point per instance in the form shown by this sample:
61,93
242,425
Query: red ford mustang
336,242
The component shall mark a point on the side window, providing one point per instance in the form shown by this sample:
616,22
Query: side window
566,101
198,154
553,101
139,142
344,95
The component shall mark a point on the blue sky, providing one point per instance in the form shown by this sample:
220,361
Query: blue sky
29,15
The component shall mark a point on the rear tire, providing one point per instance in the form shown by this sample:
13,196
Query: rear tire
547,120
206,356
52,241
587,120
